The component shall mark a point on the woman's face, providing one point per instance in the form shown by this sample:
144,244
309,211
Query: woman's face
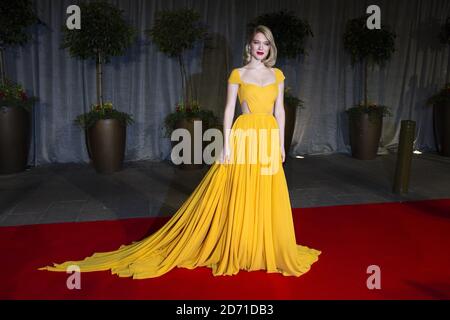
260,46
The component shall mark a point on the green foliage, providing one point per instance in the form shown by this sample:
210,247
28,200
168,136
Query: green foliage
175,31
372,109
13,95
442,97
103,32
189,111
377,45
15,17
289,31
99,112
444,34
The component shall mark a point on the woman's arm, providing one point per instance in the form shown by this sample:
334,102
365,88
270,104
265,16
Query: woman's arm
280,115
228,115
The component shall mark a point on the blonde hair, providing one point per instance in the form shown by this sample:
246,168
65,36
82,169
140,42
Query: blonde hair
271,58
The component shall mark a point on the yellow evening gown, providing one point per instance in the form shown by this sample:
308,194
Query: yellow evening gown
239,216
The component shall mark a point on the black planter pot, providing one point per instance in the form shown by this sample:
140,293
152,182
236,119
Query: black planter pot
14,139
365,135
289,126
106,145
441,115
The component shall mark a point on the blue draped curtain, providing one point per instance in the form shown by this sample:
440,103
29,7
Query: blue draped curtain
147,84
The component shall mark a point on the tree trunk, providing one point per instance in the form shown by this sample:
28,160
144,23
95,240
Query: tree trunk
2,66
191,88
187,84
366,70
183,78
447,75
99,79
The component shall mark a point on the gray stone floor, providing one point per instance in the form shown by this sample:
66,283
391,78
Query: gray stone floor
75,192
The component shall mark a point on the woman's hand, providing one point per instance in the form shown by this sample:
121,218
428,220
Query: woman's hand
283,155
226,155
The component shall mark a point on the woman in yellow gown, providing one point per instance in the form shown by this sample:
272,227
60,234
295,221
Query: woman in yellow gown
239,217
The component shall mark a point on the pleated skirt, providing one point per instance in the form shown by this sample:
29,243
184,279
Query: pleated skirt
239,217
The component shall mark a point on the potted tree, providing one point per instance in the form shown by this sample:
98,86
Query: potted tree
441,104
104,33
15,104
369,48
291,34
185,117
291,104
175,32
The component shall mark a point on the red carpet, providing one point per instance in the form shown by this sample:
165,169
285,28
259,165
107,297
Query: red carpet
409,242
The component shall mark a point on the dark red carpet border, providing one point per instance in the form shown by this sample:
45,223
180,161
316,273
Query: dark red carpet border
408,241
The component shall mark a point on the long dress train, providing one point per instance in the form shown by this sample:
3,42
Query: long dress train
239,216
